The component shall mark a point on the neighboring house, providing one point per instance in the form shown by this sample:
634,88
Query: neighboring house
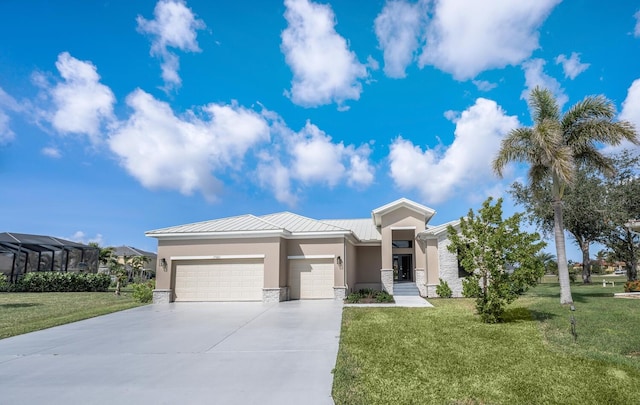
285,256
125,253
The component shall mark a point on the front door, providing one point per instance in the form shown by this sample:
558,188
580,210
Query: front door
402,267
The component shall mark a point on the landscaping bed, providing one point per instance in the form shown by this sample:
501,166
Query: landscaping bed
369,296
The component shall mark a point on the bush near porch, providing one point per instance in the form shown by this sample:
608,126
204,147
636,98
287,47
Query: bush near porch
446,355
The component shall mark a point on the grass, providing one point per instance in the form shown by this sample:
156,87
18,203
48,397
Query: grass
445,355
27,312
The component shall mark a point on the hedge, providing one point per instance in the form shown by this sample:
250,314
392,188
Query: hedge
63,282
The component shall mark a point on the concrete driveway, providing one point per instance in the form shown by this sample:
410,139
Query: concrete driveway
187,353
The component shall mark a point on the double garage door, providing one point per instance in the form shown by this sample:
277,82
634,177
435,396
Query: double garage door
219,280
310,278
242,280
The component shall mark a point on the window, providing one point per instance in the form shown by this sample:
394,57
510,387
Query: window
403,244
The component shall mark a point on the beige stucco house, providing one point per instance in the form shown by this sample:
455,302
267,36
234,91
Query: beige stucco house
285,256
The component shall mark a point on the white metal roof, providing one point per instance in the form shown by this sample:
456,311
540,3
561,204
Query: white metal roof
297,223
232,224
364,229
437,230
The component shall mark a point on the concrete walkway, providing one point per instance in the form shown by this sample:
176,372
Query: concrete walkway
187,353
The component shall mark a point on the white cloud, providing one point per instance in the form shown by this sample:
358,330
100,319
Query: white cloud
484,85
81,237
81,104
7,103
630,112
631,105
166,151
571,66
6,134
273,175
636,29
465,37
174,26
311,157
51,152
360,172
324,69
317,159
441,172
398,28
535,77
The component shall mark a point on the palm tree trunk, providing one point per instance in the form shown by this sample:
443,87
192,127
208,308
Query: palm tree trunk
561,253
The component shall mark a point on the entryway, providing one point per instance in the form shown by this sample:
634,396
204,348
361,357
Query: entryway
402,265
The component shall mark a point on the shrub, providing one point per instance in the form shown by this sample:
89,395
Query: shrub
63,282
632,286
353,298
3,282
143,292
368,295
383,296
443,290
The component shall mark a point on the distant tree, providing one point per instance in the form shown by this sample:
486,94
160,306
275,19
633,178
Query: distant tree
623,201
555,145
548,262
137,265
501,259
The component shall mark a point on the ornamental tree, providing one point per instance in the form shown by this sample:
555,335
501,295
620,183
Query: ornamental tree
501,259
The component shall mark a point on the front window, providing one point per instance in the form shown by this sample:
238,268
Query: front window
403,244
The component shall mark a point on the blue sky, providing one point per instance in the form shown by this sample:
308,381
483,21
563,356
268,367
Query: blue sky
121,117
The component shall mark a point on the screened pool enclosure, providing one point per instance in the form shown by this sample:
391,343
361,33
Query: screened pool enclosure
22,253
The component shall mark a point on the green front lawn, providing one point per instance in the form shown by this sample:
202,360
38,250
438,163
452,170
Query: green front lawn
26,312
445,355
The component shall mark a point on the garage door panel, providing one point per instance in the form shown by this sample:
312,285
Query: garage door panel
310,279
219,280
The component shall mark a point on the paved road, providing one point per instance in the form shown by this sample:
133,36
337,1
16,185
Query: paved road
187,353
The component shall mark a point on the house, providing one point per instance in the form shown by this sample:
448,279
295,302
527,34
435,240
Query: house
285,256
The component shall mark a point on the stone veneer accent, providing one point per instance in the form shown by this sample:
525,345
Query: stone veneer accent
271,295
386,278
284,294
448,267
421,280
161,296
339,293
431,290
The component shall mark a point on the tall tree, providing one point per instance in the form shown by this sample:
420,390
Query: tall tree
584,209
555,145
502,260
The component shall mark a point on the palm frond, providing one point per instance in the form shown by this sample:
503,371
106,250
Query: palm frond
546,138
563,165
543,105
593,158
514,147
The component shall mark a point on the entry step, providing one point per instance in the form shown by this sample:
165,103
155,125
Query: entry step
405,289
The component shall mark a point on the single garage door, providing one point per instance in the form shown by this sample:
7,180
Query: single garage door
311,278
220,280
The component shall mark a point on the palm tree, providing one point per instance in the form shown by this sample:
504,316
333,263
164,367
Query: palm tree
548,260
555,145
